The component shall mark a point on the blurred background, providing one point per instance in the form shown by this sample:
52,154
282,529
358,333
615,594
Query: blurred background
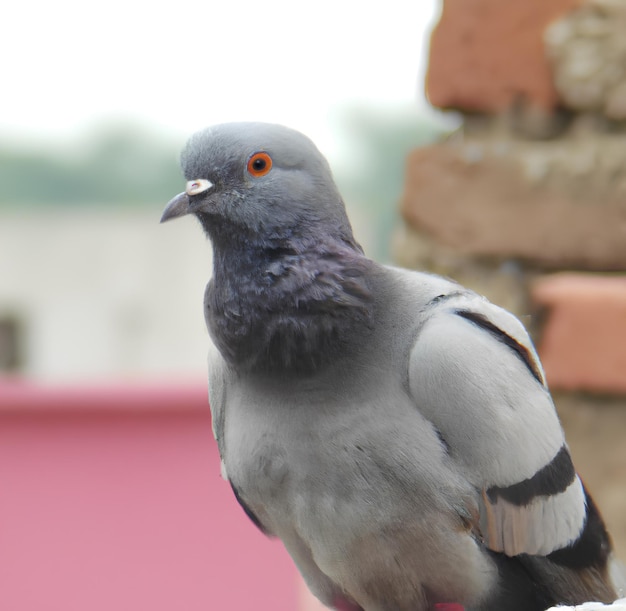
477,139
101,101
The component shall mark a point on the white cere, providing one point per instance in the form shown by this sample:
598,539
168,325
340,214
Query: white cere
200,185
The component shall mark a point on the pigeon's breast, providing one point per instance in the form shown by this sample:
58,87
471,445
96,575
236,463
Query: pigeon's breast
291,438
300,448
348,471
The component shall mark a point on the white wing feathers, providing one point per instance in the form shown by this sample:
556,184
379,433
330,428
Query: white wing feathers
475,375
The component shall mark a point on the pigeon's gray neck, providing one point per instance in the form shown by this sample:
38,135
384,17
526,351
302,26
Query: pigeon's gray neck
282,306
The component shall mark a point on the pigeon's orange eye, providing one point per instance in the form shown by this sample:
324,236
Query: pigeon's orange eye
259,164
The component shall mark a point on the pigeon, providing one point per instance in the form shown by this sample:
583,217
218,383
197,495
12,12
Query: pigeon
393,428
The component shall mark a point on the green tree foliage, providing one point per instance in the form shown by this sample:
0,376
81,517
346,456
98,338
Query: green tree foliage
117,165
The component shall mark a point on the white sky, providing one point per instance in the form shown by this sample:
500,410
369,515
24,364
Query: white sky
186,64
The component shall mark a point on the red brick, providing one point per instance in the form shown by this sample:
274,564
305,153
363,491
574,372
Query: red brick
487,207
583,345
486,53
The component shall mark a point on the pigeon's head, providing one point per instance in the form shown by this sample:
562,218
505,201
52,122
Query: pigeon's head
262,182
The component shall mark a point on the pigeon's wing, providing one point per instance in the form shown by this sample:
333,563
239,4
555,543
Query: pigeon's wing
473,372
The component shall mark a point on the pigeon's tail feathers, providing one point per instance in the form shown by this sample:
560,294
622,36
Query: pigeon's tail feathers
579,572
563,585
535,583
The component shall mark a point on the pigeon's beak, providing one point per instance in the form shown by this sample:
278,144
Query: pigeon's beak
181,205
177,206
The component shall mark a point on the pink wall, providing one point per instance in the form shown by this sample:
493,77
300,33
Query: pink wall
111,498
